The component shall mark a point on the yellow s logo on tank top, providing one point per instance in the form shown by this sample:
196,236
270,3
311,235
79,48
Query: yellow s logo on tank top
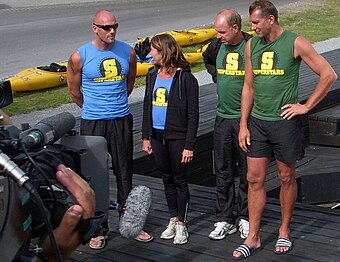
267,60
232,62
110,69
267,64
160,97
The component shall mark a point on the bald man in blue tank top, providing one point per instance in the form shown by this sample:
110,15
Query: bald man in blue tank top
101,76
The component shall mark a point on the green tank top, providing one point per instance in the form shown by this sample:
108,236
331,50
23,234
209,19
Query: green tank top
230,66
276,75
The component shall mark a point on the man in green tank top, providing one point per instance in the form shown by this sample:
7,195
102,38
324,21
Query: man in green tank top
271,111
226,56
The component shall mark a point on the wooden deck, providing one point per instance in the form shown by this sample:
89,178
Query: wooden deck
315,230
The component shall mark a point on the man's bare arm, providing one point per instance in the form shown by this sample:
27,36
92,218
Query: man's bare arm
327,76
132,71
74,69
247,100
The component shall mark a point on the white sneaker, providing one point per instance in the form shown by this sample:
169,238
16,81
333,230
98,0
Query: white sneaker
170,230
243,227
221,230
182,235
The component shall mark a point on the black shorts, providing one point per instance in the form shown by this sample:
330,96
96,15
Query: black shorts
283,139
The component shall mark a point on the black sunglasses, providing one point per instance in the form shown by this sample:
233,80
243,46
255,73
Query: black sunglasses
107,27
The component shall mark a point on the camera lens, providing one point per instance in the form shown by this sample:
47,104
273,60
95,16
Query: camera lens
6,97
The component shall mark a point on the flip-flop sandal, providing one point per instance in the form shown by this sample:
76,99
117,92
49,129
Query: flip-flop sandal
100,240
245,251
283,242
140,237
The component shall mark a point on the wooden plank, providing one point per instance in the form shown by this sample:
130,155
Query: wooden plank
312,241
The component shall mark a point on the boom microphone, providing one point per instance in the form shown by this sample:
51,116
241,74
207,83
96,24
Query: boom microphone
48,130
138,205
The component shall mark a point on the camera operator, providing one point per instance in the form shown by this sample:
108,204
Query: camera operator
67,236
72,214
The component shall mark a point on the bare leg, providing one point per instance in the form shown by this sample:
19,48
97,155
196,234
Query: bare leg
257,170
288,193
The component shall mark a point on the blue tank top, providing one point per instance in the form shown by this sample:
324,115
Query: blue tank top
104,81
160,100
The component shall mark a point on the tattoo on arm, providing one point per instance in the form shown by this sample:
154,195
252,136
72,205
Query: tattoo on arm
71,64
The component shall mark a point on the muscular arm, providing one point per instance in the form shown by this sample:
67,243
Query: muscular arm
74,78
132,71
321,67
247,100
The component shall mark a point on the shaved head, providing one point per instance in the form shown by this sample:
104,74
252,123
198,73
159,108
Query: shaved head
104,17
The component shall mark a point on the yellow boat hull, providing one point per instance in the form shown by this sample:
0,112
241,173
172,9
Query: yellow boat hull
189,37
36,78
142,68
204,47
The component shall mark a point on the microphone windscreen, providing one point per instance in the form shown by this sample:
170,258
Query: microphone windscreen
60,123
138,205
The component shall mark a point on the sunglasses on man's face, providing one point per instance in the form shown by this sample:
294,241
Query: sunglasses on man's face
107,27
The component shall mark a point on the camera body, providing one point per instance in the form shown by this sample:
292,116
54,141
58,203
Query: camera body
20,220
15,218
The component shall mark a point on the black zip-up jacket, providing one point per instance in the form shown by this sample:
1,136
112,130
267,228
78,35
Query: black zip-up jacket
210,55
182,113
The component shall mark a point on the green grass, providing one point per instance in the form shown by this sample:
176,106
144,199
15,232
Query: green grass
316,21
25,102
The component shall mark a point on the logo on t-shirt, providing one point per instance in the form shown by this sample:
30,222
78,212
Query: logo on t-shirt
160,97
267,64
111,71
232,63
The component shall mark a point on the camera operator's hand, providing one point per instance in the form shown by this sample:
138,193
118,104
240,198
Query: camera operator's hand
67,235
5,119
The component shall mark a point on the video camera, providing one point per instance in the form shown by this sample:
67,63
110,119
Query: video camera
33,155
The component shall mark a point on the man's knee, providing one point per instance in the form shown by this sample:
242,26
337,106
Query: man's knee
286,173
287,178
255,180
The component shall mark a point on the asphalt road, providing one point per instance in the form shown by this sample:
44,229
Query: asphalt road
39,32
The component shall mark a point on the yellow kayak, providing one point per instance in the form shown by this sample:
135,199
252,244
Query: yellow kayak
43,77
38,78
189,37
142,68
203,48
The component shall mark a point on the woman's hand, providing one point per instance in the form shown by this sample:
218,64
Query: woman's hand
187,156
146,146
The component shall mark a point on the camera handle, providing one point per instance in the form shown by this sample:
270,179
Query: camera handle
13,170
